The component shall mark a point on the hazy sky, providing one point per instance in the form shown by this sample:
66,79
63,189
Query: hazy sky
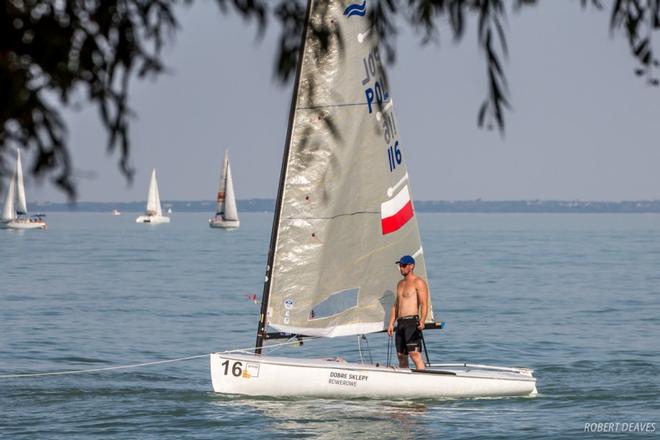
583,126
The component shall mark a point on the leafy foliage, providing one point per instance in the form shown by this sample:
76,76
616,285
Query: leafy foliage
638,20
53,51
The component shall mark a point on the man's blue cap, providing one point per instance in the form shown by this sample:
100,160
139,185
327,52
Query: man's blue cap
406,259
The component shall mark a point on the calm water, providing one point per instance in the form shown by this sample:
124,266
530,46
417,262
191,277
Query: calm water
575,297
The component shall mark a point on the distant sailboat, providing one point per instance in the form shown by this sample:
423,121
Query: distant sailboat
226,214
116,212
15,213
154,212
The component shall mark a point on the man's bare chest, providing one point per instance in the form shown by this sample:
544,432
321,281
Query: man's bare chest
408,292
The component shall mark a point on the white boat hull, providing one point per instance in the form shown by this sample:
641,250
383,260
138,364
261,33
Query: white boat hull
23,224
285,377
152,219
224,224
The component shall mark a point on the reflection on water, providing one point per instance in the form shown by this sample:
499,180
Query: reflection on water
322,418
366,418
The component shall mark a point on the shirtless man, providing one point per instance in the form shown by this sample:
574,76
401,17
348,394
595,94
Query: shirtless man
409,311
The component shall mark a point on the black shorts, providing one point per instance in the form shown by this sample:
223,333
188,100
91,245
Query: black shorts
408,338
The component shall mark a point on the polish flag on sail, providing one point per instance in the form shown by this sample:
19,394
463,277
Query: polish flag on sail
396,212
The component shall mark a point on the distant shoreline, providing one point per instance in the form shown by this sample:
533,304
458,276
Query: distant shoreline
467,206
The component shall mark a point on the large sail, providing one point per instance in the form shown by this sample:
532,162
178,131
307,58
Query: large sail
231,212
222,188
346,212
8,211
153,198
21,203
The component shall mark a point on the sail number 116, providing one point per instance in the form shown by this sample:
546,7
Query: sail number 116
236,368
394,155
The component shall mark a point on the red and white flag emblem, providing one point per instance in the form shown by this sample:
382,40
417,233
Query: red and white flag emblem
396,212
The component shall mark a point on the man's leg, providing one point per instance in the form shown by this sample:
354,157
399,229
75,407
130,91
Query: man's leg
400,344
414,346
417,359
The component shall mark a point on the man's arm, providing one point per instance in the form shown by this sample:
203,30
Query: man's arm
423,301
393,311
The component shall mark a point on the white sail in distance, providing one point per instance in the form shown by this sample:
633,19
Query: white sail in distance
8,211
222,188
346,211
21,202
231,212
226,200
153,198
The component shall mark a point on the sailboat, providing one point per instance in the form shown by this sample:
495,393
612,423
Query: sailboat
154,212
226,214
344,214
15,213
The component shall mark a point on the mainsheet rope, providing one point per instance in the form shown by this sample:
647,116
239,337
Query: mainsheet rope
142,364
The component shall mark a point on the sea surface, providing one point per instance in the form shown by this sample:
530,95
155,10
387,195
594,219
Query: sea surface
576,297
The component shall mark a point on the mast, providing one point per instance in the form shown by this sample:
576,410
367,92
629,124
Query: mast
261,328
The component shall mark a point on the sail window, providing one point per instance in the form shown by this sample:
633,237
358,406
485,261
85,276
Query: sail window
335,304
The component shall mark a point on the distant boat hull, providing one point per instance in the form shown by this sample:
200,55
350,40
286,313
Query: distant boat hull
152,219
24,224
285,377
220,223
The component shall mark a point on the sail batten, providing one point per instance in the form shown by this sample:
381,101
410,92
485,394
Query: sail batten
334,216
339,225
